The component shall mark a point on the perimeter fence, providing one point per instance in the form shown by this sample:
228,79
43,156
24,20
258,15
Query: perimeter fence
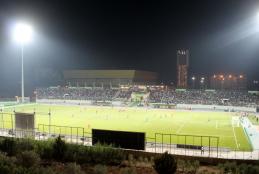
188,145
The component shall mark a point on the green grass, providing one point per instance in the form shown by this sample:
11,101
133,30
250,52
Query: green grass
150,121
253,120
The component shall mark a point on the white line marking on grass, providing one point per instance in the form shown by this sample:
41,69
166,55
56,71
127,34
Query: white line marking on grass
19,105
180,128
234,135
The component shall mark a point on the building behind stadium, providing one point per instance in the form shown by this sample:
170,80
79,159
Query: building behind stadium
108,78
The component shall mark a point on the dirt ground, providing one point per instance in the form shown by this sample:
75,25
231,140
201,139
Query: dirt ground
150,170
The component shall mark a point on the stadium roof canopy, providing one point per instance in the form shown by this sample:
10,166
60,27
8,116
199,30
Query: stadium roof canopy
132,76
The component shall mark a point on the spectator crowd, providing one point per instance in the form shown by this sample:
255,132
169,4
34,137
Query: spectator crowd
75,93
168,96
217,97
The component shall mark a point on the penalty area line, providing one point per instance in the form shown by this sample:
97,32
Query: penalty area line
235,135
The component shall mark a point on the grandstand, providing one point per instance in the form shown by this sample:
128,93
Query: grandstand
159,95
206,97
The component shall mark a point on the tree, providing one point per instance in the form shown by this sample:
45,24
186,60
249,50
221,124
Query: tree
165,164
59,149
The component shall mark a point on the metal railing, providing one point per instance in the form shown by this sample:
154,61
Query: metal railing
151,145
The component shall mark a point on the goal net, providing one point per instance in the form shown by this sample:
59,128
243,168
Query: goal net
1,107
26,99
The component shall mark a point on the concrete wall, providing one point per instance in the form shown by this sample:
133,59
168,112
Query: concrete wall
215,107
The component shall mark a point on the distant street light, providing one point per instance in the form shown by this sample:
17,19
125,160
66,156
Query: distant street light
193,82
22,34
202,82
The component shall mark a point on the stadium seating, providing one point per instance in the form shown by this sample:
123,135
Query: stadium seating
217,97
76,93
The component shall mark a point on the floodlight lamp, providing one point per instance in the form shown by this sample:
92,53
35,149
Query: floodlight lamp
257,16
22,33
193,78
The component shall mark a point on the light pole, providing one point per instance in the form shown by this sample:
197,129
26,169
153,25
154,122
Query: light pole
22,34
22,84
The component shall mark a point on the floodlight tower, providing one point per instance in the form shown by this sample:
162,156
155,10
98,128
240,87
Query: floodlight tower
22,34
182,67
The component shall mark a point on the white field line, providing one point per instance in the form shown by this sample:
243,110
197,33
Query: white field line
234,135
180,128
19,105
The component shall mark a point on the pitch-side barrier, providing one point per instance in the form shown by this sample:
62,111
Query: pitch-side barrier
223,153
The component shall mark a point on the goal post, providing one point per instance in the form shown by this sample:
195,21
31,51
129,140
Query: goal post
19,99
1,107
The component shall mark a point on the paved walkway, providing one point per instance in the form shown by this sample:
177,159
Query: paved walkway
150,147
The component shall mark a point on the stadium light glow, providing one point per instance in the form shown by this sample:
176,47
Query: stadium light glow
257,16
22,33
193,78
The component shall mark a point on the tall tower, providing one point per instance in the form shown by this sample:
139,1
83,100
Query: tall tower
182,67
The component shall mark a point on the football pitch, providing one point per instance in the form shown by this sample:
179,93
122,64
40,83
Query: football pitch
150,121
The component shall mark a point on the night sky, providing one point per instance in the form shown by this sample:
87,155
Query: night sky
222,36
